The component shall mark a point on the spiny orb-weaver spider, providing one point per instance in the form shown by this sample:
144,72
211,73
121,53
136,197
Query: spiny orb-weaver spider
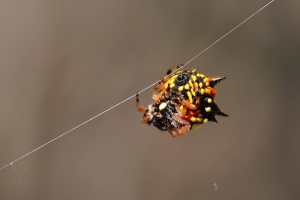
183,101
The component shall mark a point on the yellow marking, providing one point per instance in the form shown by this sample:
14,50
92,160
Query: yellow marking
166,85
193,92
196,84
208,109
209,100
180,88
205,79
194,77
173,77
199,119
202,91
207,91
172,85
187,87
181,107
205,120
171,81
190,96
201,84
207,83
193,119
191,84
200,75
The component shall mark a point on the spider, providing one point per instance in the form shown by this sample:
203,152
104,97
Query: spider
182,101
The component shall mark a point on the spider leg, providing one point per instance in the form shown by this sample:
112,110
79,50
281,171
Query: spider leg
156,87
138,106
181,112
177,132
141,109
173,69
173,133
144,119
160,85
184,129
188,104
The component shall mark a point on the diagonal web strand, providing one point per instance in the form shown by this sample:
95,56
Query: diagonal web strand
229,32
132,96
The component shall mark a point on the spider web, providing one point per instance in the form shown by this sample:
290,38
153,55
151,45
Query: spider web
125,100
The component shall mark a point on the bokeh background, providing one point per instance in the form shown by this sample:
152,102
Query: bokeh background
63,62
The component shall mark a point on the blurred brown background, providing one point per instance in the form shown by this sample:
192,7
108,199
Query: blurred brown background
63,62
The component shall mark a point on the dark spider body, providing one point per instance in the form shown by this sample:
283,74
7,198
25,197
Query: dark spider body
162,118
